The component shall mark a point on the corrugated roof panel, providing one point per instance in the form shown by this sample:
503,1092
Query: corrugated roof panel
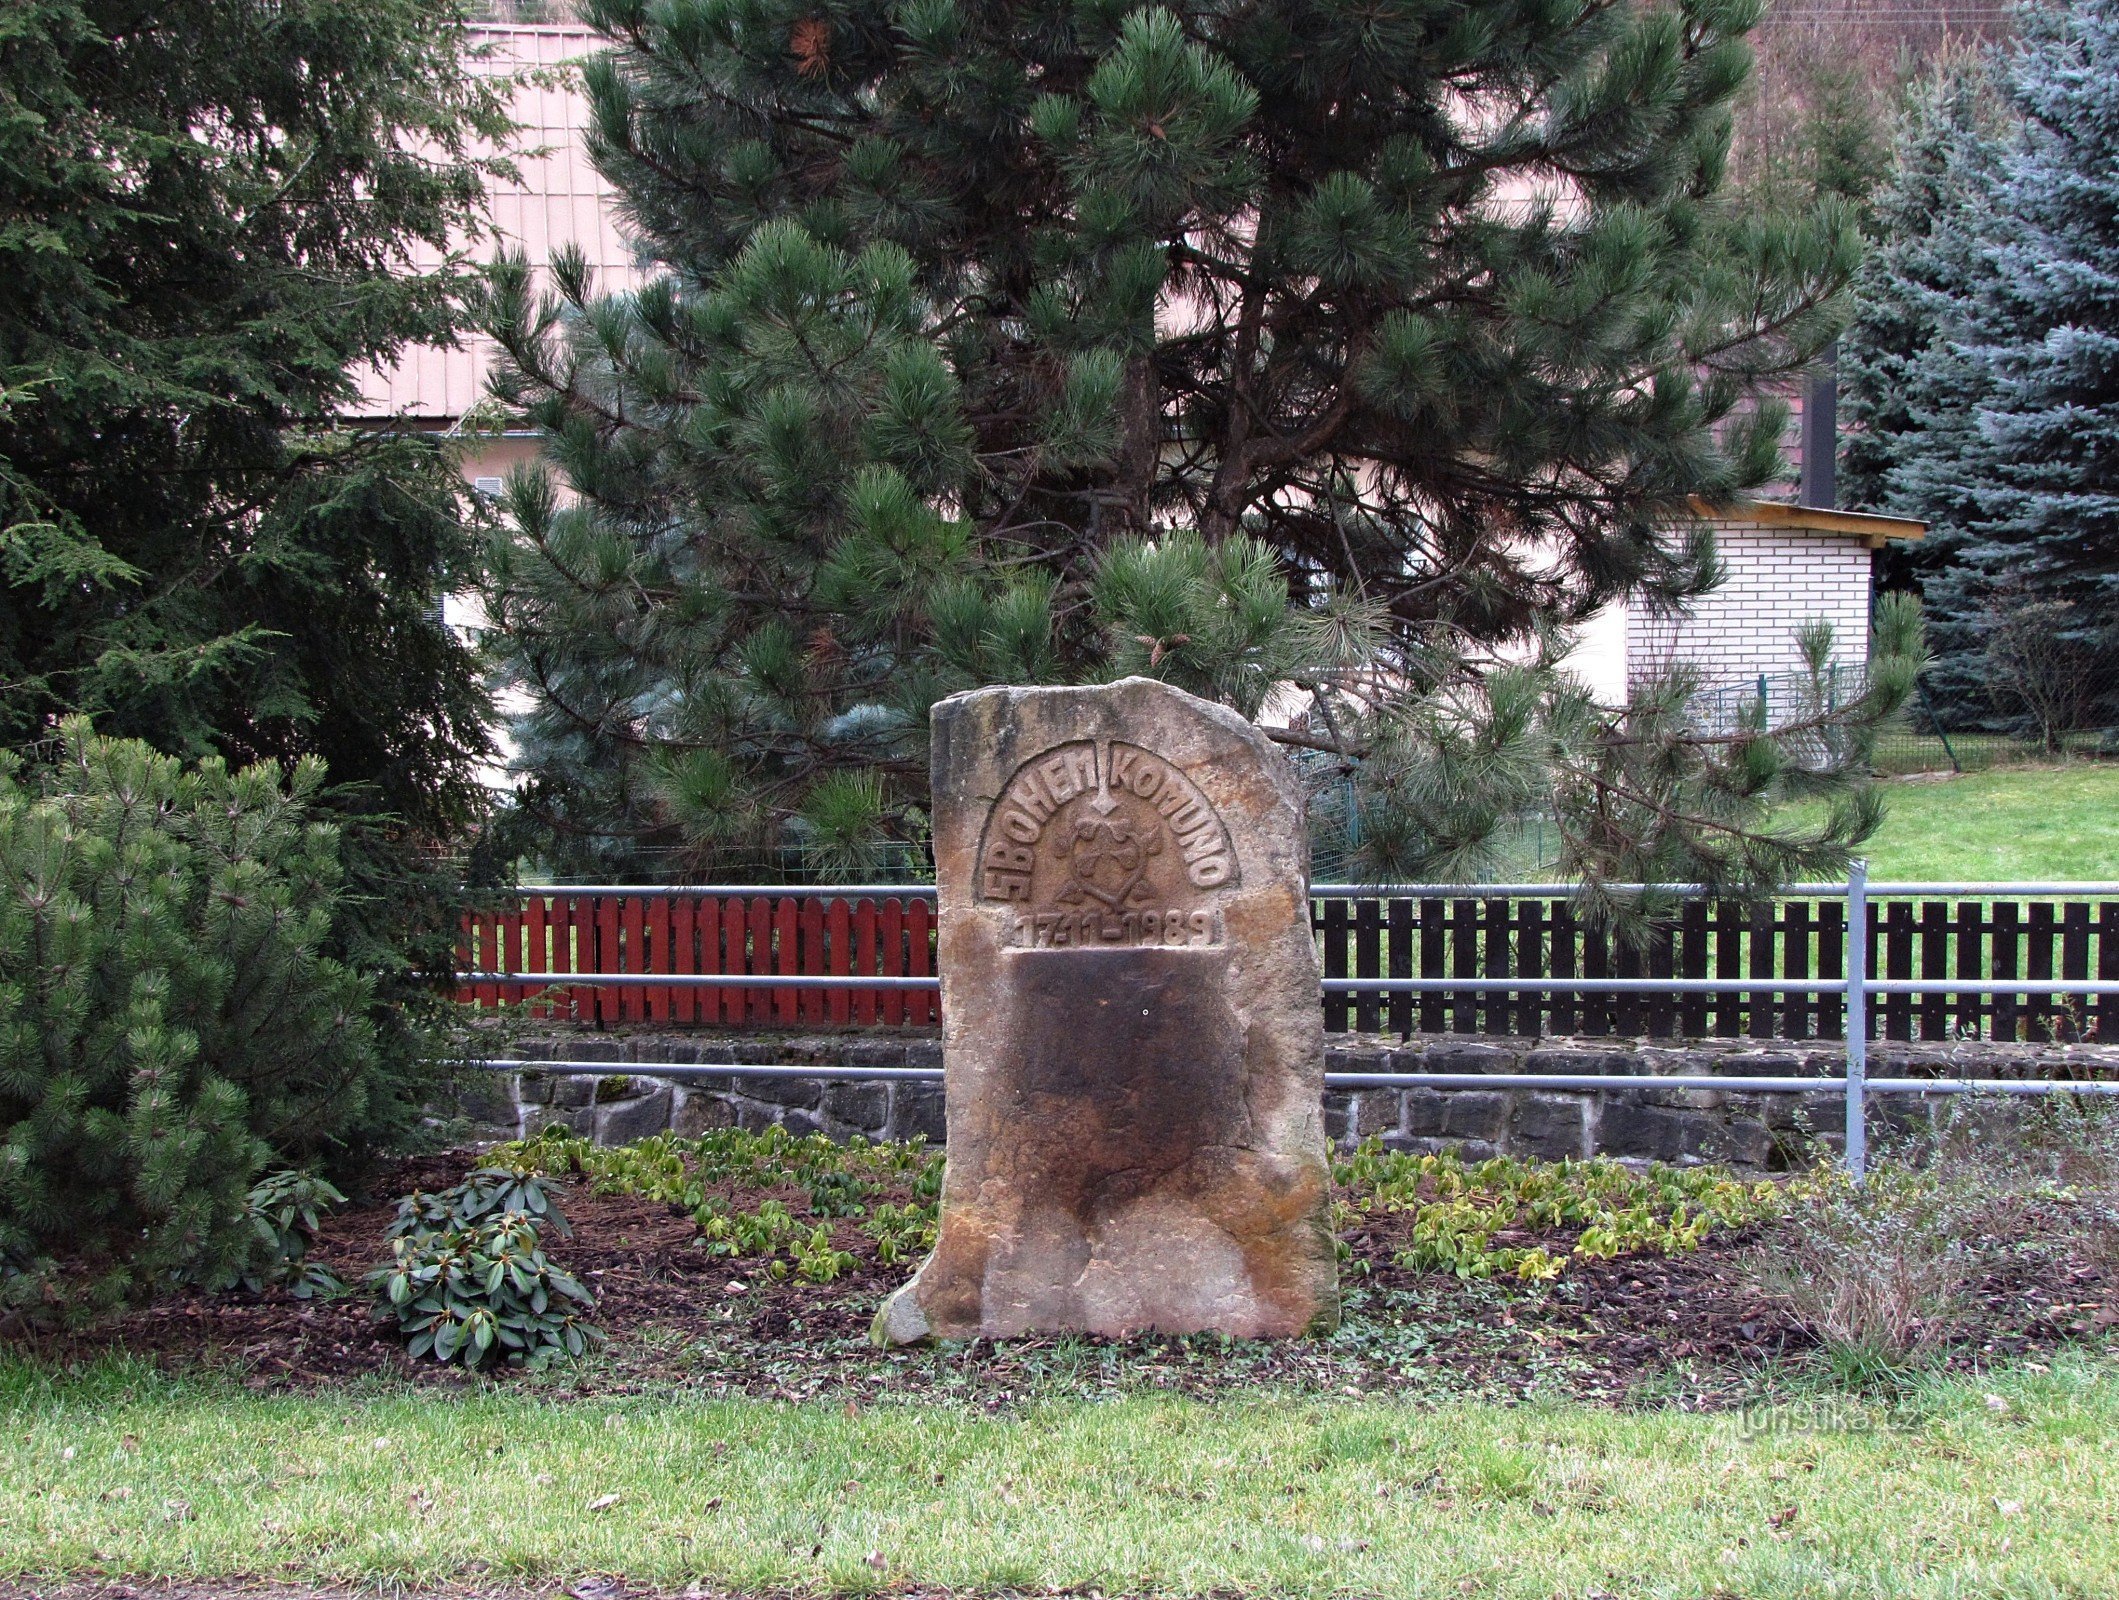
561,199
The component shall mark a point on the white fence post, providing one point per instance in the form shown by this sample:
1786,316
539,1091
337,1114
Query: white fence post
1857,1019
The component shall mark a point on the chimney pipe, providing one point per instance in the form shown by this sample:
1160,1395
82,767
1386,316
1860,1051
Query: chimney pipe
1819,485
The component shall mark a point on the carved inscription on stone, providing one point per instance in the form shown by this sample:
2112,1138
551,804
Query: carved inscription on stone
1103,842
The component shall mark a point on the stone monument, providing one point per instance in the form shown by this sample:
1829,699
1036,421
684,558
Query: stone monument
1133,1045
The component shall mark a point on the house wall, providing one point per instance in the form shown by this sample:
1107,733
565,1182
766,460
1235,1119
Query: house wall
1776,580
560,200
486,461
1598,659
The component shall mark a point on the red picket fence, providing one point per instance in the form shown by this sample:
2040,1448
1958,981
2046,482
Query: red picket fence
650,932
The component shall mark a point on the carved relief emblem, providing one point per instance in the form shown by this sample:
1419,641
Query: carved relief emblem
1105,842
1109,856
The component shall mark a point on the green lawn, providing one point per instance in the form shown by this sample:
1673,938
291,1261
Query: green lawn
2013,823
2020,824
2002,1487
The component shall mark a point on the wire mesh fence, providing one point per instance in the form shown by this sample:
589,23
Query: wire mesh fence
525,12
1966,728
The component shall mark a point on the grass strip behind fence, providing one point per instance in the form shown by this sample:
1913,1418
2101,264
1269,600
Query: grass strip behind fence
1999,1488
2011,825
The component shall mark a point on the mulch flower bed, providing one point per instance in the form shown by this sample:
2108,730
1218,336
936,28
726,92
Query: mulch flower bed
1691,1328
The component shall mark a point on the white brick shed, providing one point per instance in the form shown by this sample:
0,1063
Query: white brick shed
1784,565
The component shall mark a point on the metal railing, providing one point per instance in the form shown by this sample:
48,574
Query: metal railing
1577,1081
1855,983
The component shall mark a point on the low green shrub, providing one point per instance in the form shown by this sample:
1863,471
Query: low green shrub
468,1279
487,1191
286,1210
173,1021
481,1290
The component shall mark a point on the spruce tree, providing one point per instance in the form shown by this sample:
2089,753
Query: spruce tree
1902,380
1988,368
1909,383
212,215
1269,348
2042,473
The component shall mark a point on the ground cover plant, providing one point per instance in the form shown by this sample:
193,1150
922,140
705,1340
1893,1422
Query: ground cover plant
751,1263
1462,1218
704,1176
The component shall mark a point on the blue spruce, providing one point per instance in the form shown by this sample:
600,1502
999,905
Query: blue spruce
2006,436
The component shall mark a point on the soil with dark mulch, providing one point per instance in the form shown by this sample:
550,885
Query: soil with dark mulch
1692,1329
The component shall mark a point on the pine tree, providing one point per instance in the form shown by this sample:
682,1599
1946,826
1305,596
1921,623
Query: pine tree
171,1018
1347,353
210,216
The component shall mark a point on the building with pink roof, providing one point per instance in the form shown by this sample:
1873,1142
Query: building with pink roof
560,199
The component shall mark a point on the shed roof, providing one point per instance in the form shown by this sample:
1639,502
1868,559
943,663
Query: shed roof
1871,529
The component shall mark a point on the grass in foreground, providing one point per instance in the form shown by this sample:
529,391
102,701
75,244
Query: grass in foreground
2015,824
1996,1488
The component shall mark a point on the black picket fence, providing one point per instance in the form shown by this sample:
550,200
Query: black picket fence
2000,940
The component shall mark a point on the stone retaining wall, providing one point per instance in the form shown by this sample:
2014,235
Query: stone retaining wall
1758,1132
617,1110
1751,1131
